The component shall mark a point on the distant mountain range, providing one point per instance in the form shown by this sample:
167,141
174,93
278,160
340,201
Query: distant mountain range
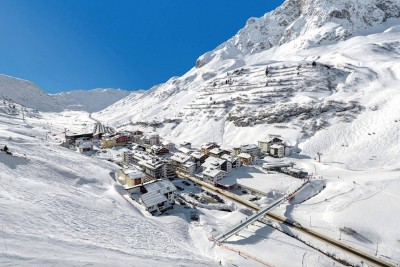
30,95
90,100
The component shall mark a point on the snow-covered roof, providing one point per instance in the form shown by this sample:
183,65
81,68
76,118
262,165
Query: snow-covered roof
216,150
189,164
166,143
277,164
249,147
228,158
276,146
182,158
197,155
213,172
151,135
151,163
211,162
208,145
161,186
295,170
270,138
244,155
134,173
184,150
152,198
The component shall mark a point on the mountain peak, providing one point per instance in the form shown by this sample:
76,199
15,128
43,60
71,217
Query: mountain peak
306,24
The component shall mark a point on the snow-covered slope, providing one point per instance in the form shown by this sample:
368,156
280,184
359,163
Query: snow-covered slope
61,208
229,98
90,100
27,94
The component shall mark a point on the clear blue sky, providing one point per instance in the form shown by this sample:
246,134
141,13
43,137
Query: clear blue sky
86,44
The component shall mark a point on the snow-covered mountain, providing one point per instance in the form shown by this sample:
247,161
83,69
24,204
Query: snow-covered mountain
27,94
309,23
328,64
90,100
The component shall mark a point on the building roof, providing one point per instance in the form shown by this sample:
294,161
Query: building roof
276,146
244,155
152,198
228,158
184,150
213,172
216,150
208,145
296,170
153,163
151,135
249,147
197,155
182,158
134,173
212,162
270,138
277,164
166,143
189,164
161,186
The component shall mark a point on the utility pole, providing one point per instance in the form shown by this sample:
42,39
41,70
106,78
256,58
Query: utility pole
65,134
23,115
376,252
319,154
340,234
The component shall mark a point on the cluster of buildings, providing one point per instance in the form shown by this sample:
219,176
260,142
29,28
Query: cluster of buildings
150,163
151,160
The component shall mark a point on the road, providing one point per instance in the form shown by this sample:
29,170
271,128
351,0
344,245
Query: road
367,258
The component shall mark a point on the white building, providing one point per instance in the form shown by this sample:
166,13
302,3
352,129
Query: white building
131,177
279,150
251,149
159,196
168,145
213,162
127,157
233,162
182,164
246,159
213,175
85,147
268,142
184,150
81,140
